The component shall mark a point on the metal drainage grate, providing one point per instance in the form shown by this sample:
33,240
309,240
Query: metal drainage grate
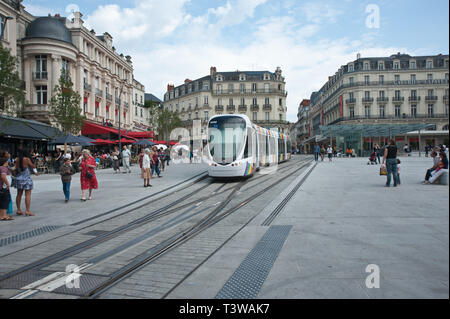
35,232
88,282
96,233
23,279
249,277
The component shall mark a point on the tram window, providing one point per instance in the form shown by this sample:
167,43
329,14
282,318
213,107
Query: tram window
246,147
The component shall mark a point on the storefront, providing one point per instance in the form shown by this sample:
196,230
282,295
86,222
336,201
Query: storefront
20,134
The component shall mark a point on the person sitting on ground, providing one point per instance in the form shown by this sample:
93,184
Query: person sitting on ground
441,169
433,168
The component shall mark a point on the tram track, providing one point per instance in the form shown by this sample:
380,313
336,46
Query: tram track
169,243
178,239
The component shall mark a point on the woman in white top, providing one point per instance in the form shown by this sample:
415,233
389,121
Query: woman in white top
146,168
330,153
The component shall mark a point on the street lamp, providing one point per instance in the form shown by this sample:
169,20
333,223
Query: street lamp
120,94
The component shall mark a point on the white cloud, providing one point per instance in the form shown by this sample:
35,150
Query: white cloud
168,45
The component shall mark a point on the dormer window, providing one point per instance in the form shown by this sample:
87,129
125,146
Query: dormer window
219,78
266,77
242,77
396,65
350,68
429,64
412,64
366,66
380,65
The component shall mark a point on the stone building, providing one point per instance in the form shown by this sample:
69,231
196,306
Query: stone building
261,95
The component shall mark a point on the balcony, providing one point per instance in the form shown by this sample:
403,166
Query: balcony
367,99
231,108
98,92
125,104
398,99
219,108
382,99
445,98
205,106
350,101
108,97
117,100
254,107
431,98
87,87
267,107
414,99
40,75
250,92
242,108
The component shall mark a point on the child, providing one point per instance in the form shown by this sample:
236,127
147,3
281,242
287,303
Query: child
66,171
398,171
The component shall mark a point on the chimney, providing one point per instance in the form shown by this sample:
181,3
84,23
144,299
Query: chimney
57,15
187,81
170,87
358,56
213,71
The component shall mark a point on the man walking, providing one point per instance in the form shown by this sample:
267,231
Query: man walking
126,159
316,152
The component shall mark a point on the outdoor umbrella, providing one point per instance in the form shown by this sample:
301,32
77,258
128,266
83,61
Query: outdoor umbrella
145,142
161,145
179,147
71,140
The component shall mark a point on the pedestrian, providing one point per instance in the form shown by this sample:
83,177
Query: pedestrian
167,151
5,194
66,171
146,168
316,152
58,158
115,156
390,158
24,167
330,153
88,180
426,150
398,171
141,157
322,152
155,161
126,159
162,158
377,152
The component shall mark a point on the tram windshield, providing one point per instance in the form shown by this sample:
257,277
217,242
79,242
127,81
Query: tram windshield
226,138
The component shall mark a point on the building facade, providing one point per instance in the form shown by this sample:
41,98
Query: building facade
141,119
301,127
400,89
47,45
260,95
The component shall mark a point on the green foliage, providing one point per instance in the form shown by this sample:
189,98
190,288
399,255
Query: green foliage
12,93
153,109
65,106
167,121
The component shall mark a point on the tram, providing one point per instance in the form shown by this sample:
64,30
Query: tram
237,148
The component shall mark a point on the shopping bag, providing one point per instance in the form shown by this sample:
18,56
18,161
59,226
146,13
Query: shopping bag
383,170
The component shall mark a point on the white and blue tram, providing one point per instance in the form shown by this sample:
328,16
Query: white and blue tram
237,147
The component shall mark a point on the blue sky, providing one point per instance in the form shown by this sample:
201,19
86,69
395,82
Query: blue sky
172,40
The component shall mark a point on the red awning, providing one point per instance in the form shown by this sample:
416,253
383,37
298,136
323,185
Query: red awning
171,143
141,135
99,141
97,129
124,141
160,142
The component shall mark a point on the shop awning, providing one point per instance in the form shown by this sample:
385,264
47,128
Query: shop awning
372,130
141,135
90,128
12,127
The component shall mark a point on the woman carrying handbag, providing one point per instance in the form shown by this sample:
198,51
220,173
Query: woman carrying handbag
88,180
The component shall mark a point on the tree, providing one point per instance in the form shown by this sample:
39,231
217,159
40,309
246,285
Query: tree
153,111
65,107
167,121
12,94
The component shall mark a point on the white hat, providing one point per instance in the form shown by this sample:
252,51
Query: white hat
68,156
